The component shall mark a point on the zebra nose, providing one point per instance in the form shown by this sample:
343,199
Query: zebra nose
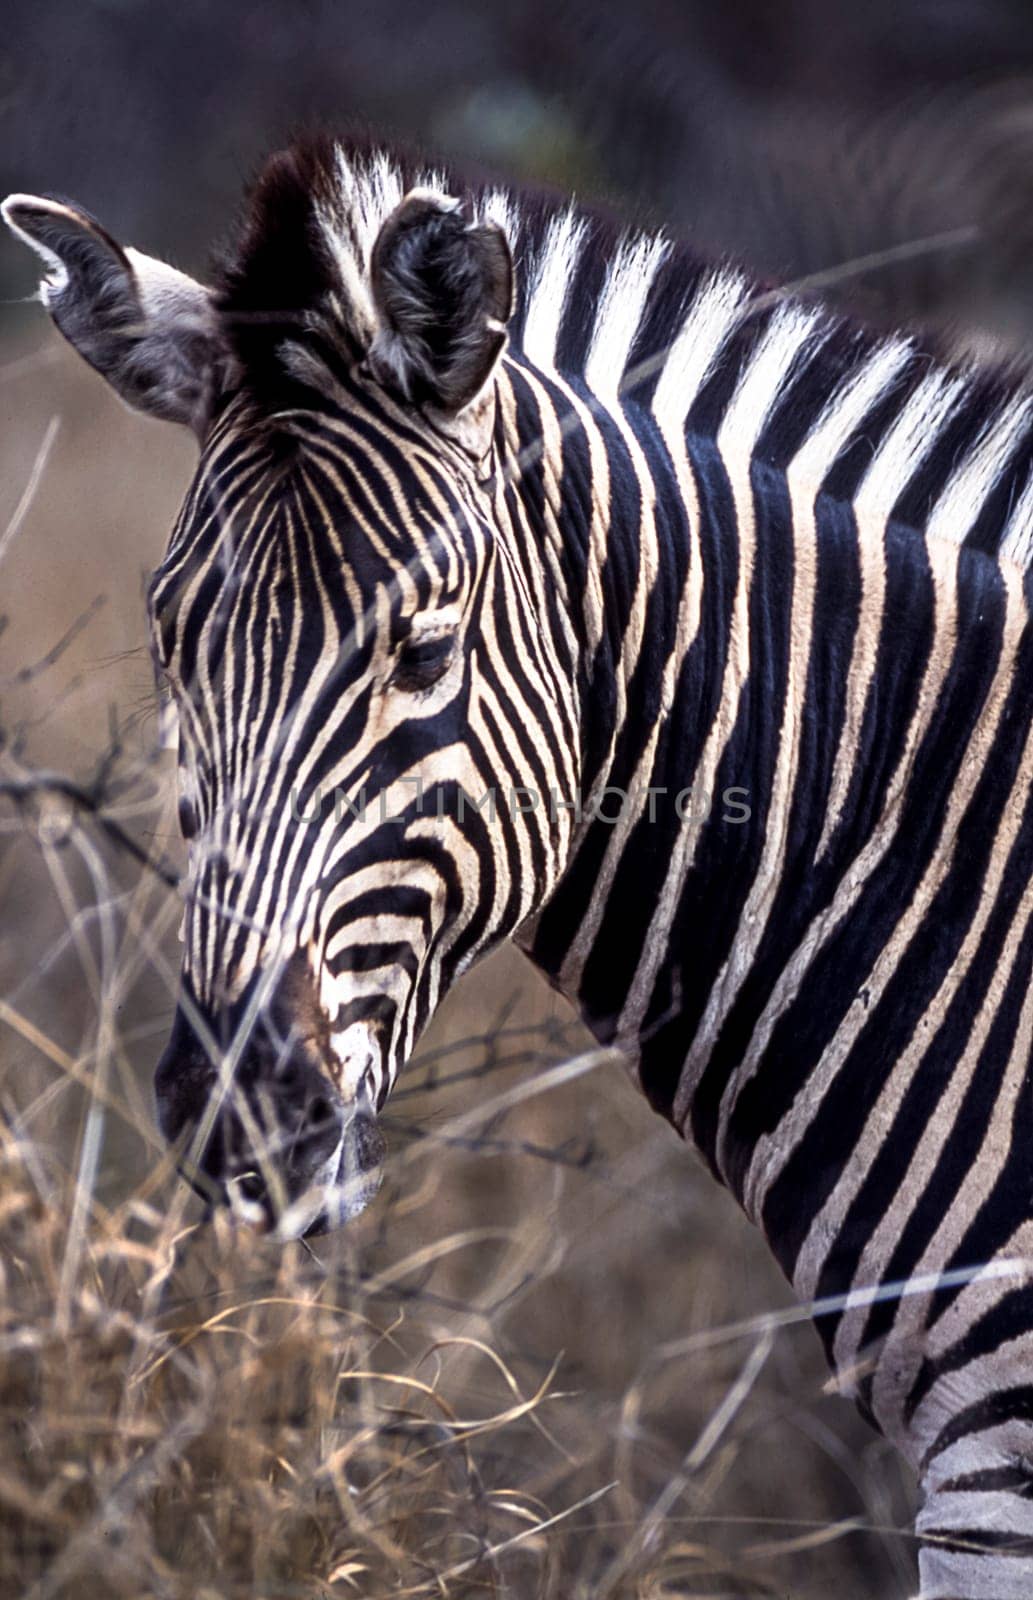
307,1114
280,1130
275,1126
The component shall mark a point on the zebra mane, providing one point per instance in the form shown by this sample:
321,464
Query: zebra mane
631,314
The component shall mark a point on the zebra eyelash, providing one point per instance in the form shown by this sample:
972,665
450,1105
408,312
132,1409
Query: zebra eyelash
421,660
424,646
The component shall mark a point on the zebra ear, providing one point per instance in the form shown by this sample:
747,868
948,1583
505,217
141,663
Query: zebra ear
152,332
443,289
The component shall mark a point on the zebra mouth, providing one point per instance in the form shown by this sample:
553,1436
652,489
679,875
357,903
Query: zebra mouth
341,1191
335,1194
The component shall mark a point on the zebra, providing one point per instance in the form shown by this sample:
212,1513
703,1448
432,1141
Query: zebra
668,624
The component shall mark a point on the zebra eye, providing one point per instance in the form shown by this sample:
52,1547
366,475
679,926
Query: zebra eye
187,819
422,660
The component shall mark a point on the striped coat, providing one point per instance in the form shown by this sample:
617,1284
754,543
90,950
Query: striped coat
675,628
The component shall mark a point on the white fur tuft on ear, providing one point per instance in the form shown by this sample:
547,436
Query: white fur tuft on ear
18,209
150,330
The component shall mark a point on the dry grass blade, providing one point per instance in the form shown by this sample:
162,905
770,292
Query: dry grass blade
31,489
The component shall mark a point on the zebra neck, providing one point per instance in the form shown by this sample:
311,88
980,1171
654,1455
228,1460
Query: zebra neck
791,700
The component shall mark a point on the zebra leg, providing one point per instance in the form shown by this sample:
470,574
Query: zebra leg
952,1386
976,1522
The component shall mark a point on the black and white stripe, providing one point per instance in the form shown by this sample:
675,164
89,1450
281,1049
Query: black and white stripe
689,535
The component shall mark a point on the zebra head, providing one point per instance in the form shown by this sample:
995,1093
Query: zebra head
370,709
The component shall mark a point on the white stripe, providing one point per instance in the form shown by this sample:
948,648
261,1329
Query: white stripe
1017,544
767,372
967,488
945,1574
619,312
497,206
716,312
845,412
906,445
550,286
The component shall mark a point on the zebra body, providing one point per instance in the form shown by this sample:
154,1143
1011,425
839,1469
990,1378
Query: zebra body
686,640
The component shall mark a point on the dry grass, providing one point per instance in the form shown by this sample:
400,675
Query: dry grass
504,1379
208,1415
187,1409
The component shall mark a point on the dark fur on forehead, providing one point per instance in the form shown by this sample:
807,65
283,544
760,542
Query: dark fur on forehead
277,277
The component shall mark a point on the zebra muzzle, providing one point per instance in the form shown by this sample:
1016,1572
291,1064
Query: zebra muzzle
278,1143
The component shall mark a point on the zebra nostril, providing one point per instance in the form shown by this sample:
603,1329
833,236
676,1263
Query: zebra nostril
246,1196
318,1112
250,1185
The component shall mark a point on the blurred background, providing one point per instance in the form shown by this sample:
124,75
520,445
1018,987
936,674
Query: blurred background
885,149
